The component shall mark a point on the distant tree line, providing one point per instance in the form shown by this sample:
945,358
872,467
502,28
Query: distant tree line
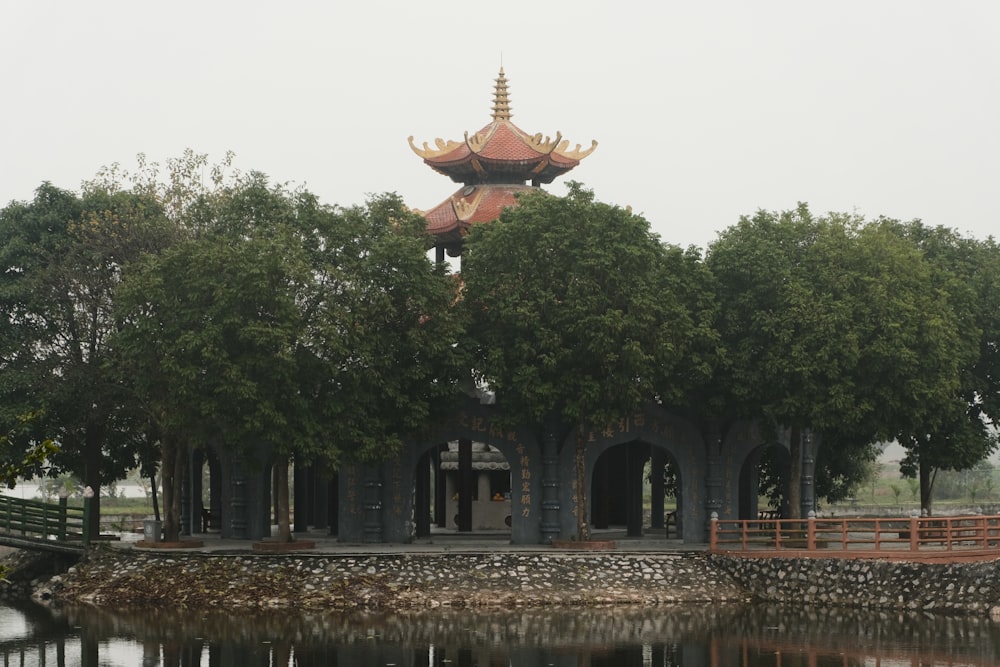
151,313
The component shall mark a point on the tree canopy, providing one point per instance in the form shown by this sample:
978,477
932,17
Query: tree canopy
962,430
576,309
578,314
833,325
61,260
309,331
150,313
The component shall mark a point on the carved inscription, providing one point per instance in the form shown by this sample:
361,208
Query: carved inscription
524,462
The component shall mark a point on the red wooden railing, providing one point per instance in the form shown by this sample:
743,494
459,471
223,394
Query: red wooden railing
949,537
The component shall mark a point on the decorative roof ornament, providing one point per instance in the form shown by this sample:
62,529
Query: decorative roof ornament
501,100
427,152
493,165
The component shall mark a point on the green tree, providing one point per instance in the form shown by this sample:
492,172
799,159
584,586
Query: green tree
961,432
578,314
61,258
16,463
839,477
310,331
830,325
897,491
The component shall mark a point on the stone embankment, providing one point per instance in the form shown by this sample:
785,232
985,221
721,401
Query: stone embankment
389,581
513,580
959,588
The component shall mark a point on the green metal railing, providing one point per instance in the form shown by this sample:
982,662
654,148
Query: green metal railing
37,520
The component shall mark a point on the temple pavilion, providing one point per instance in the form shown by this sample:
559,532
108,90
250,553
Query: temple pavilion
492,166
521,479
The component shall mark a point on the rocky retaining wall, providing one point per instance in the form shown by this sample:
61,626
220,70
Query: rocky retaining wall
118,578
873,584
390,581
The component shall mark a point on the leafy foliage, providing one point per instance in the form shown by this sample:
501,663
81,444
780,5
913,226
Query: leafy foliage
833,325
578,311
312,329
578,315
968,272
15,463
61,259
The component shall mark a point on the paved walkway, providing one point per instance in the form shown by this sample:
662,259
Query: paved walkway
440,541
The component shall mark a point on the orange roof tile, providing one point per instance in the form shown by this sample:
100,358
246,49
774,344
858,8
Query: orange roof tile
469,206
494,164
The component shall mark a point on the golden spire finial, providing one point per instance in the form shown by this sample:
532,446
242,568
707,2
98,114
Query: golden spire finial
501,101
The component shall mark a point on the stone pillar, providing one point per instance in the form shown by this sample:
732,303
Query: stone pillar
247,493
713,474
600,495
810,446
186,497
196,505
656,491
273,511
333,511
422,493
214,490
372,505
550,485
300,475
465,485
238,521
634,462
321,503
440,489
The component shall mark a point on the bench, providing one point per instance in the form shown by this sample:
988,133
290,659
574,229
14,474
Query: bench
767,519
669,518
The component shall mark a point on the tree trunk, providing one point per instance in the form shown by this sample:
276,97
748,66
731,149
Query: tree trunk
927,476
168,452
155,496
173,479
580,492
795,475
92,460
281,488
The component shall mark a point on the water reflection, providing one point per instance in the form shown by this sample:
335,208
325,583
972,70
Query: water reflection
689,636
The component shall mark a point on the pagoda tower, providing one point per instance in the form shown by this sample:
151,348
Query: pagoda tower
492,166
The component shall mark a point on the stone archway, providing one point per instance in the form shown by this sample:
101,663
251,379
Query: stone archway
762,463
623,478
205,491
462,486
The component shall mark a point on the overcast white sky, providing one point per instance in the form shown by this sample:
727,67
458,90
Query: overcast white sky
703,110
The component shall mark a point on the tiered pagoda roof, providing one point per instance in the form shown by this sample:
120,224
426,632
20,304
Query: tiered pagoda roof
493,165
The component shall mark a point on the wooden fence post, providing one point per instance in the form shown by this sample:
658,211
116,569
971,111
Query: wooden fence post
713,531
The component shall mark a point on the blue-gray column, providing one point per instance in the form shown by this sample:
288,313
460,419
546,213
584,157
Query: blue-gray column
713,474
372,505
810,446
238,521
550,485
187,500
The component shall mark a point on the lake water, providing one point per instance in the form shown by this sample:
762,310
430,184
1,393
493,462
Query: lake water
689,636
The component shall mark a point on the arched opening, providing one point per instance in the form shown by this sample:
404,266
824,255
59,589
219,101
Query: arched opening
462,486
764,482
314,491
636,486
206,491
